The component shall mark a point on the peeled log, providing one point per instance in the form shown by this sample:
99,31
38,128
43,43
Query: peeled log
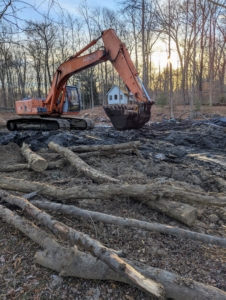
152,192
17,167
96,248
13,168
72,262
179,211
80,165
127,222
110,148
35,162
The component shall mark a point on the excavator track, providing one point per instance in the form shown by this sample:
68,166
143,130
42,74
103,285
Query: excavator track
48,124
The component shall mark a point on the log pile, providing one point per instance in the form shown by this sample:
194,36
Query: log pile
109,266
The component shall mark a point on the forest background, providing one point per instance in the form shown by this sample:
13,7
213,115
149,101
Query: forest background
178,47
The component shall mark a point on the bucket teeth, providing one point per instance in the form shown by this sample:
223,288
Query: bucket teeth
124,118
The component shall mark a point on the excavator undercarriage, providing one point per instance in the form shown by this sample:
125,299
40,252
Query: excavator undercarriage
47,124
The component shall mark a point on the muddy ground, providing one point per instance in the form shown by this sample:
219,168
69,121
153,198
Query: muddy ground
191,152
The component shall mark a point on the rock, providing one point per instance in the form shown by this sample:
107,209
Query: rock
161,252
93,294
56,280
160,156
86,115
224,217
213,218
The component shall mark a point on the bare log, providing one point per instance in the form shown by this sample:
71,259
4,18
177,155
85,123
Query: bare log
35,162
110,148
179,211
93,246
182,212
56,164
18,167
127,222
152,192
14,167
72,262
106,153
80,165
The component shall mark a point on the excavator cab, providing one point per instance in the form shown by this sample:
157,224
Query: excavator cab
72,101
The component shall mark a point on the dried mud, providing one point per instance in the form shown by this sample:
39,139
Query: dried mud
191,153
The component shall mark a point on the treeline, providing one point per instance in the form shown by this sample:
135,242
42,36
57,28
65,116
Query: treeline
194,30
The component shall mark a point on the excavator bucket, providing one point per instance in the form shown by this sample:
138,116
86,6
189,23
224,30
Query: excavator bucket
133,117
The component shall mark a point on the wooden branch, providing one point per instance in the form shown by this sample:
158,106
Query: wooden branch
72,262
114,147
127,222
80,165
35,162
152,192
217,3
93,246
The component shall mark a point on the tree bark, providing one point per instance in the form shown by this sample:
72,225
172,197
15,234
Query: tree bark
35,162
17,167
127,222
72,262
179,211
12,168
93,246
80,165
152,192
182,212
106,153
110,148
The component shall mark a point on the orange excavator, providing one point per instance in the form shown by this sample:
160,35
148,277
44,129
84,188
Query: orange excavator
58,110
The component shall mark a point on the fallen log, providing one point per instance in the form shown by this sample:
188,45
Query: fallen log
14,167
110,148
179,211
127,222
35,162
72,262
91,245
182,212
106,153
18,167
56,164
80,165
152,192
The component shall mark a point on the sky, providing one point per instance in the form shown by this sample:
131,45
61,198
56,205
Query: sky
160,57
26,12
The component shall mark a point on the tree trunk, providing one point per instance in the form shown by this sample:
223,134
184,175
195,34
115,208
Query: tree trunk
80,165
35,162
93,246
153,192
110,148
127,222
16,167
72,262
